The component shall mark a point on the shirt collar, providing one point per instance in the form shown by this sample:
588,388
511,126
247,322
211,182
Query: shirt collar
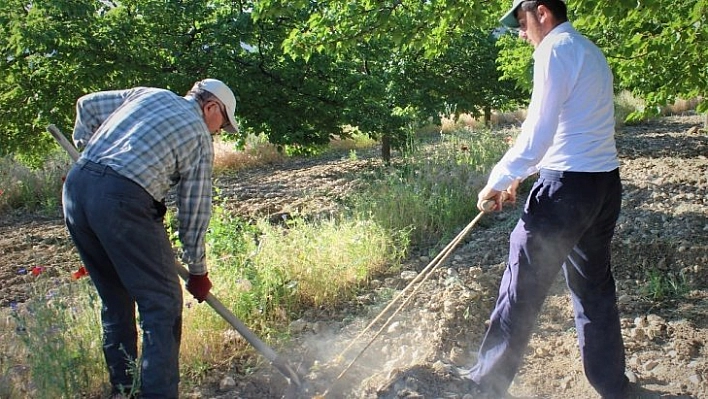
195,104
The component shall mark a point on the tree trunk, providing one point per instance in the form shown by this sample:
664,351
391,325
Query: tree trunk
386,148
487,116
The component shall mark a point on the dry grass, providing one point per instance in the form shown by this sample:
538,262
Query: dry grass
258,151
32,189
681,106
228,158
453,122
625,103
358,141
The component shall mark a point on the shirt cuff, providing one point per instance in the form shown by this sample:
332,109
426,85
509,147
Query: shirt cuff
198,268
499,180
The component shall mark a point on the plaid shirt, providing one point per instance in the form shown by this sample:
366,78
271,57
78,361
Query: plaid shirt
159,140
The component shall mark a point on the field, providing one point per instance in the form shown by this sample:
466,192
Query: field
660,261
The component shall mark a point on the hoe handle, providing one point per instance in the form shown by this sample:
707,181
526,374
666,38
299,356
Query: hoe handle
64,142
488,205
245,332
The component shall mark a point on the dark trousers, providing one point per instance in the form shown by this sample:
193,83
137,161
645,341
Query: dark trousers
568,222
118,230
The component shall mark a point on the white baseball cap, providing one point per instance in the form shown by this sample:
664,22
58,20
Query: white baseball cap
221,91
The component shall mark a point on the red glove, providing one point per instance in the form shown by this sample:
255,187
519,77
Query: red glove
199,286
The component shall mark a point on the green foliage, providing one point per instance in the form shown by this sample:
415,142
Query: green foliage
39,189
662,286
302,70
657,49
394,69
60,330
337,26
53,52
516,62
433,191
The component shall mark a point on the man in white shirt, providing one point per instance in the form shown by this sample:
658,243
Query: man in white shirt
571,212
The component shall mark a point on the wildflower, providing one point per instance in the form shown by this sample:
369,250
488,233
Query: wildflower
22,271
81,272
37,270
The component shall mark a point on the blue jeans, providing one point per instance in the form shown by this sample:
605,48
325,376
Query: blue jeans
568,222
118,230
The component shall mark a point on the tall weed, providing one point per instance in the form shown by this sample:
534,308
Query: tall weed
267,275
22,187
59,332
434,190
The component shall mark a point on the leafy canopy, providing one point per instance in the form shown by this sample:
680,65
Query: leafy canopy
57,50
302,70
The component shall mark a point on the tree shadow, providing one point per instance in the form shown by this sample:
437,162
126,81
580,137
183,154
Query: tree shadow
662,138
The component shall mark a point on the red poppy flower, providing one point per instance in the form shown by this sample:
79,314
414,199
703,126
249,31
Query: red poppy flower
81,272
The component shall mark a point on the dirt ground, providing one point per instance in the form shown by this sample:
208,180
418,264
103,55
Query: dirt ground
422,352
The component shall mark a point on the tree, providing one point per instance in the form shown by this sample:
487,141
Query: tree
410,58
55,51
337,25
402,63
37,76
657,49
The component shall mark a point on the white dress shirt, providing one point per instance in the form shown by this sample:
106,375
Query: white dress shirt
570,122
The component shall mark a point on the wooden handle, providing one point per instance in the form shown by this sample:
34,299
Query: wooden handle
278,362
488,205
63,142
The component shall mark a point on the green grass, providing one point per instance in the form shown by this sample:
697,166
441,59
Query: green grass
661,286
34,190
434,190
57,330
268,275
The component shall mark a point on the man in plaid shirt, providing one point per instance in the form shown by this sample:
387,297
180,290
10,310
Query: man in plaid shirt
137,144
